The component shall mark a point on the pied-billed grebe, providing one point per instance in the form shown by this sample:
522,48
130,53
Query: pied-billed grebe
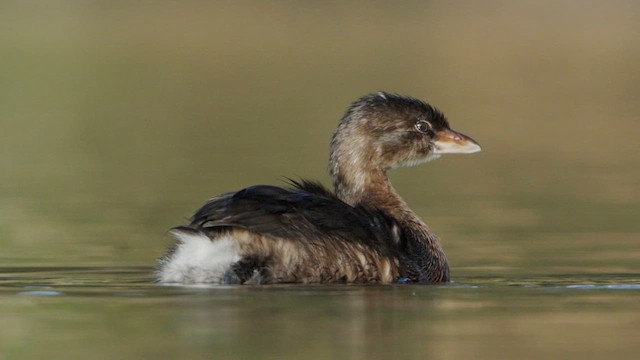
364,233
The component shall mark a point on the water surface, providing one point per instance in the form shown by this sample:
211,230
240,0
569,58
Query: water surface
85,312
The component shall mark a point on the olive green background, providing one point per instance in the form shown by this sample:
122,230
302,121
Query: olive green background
118,119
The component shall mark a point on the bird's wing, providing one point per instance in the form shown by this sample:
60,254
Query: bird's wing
304,212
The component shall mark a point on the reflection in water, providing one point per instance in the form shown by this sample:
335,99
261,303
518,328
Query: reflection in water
40,293
475,315
608,287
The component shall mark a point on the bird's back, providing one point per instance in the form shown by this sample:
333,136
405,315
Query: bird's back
303,233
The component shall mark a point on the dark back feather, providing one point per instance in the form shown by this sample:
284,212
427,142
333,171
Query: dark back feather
306,211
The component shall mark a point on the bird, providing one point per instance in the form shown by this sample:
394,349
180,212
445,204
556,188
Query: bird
362,233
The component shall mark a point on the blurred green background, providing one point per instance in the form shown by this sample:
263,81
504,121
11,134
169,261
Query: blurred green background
119,118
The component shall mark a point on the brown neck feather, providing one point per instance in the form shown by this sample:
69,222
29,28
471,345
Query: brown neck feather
359,180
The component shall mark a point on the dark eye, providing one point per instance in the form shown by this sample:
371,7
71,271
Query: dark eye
423,126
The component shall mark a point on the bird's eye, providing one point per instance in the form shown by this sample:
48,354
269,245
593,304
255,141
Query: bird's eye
423,126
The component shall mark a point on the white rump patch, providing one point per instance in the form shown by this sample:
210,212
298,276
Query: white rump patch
198,259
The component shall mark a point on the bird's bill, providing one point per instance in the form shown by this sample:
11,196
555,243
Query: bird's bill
448,141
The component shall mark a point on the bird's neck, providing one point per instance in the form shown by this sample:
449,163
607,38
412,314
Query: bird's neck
358,176
357,181
359,185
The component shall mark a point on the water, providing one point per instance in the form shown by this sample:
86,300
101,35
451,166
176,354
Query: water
559,316
117,120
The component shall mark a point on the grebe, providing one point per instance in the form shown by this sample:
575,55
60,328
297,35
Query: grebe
364,233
